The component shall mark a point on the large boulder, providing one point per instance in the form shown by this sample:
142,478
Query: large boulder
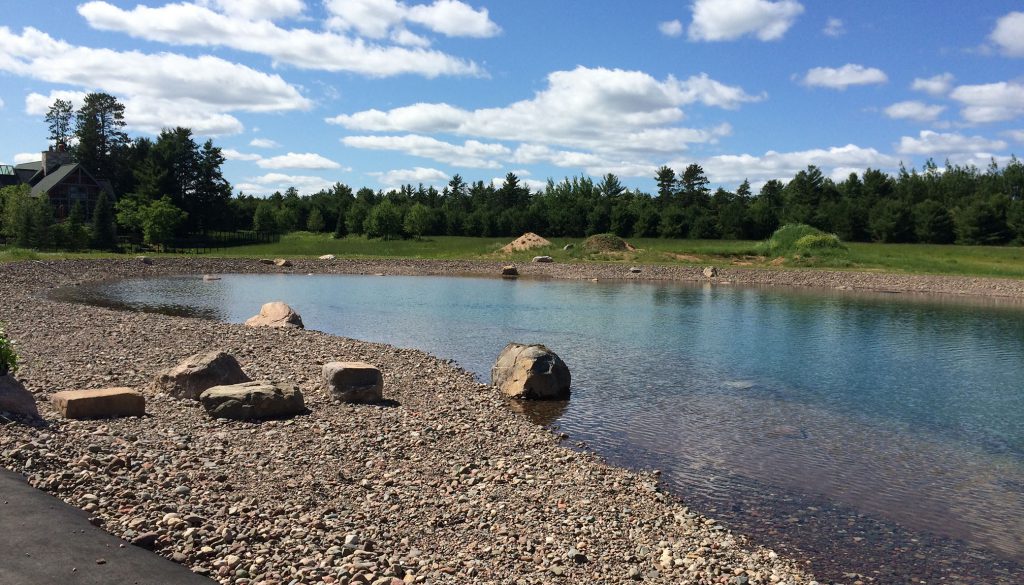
509,270
103,403
353,382
14,398
197,373
276,314
710,272
253,401
531,372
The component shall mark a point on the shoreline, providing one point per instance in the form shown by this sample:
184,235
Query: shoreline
449,486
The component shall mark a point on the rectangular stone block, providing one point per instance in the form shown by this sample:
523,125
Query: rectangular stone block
104,403
354,382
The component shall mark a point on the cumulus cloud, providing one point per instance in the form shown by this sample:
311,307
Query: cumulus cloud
158,90
270,182
726,20
470,154
259,9
834,28
671,28
1,104
604,110
1009,34
295,160
1015,135
843,77
990,102
835,161
192,24
263,143
26,157
914,110
933,143
37,104
399,177
938,85
535,185
379,18
232,154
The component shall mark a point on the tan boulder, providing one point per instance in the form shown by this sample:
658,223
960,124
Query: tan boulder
103,403
353,382
544,259
710,272
283,262
14,398
531,372
253,401
327,257
276,314
197,373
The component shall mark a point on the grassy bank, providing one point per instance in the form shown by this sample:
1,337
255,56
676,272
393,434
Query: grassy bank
901,258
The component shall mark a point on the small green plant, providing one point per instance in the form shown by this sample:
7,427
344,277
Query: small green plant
8,357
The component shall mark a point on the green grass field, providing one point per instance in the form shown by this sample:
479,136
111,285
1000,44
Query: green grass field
904,258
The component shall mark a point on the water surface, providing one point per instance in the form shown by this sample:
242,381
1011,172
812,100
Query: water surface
858,430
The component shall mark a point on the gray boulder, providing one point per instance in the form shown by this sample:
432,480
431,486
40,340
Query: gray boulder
14,398
531,372
710,272
353,382
276,314
197,373
543,259
253,401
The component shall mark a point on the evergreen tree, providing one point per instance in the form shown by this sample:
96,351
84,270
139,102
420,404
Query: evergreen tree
75,235
104,233
59,120
265,219
100,131
340,228
315,222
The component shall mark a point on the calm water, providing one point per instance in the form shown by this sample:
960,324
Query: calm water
861,431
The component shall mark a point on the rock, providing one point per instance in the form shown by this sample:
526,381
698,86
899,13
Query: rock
145,259
710,272
266,261
509,270
253,400
634,269
533,372
354,382
197,373
327,257
276,314
104,403
283,262
14,398
209,277
543,259
568,246
146,540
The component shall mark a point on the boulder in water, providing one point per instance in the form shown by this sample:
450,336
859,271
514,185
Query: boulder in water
531,372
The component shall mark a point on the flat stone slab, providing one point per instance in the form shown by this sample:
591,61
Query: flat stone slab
103,403
354,382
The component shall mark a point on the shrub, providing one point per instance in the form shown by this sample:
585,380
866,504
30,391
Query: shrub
8,357
605,243
802,240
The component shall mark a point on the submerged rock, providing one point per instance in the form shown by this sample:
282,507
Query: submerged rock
276,314
531,372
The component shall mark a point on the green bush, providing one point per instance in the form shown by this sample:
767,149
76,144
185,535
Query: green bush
8,357
605,243
797,239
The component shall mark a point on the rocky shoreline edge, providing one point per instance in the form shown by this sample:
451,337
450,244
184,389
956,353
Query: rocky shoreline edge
447,485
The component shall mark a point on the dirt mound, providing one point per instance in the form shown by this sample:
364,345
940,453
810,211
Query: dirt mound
527,241
607,243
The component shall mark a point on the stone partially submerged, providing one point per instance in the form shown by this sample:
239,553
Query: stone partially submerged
257,400
15,398
197,373
353,382
276,314
531,372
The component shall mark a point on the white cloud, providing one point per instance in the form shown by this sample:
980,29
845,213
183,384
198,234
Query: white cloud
1015,135
726,20
266,184
37,104
158,90
1009,34
932,143
263,143
399,177
260,9
834,28
843,77
732,169
380,18
605,110
232,154
471,154
671,28
1,104
914,110
990,102
938,85
191,24
535,185
295,160
26,157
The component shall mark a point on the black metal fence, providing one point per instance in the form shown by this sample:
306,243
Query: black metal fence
203,242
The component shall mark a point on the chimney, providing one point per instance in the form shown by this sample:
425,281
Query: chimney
54,157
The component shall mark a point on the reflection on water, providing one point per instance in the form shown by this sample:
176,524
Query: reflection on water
856,429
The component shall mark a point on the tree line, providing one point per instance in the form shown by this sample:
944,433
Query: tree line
172,186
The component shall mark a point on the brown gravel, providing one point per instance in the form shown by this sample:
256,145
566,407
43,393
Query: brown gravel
447,484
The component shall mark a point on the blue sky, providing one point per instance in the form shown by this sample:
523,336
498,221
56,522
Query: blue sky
382,92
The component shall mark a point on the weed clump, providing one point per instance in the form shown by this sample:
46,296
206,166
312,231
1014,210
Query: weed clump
800,241
606,243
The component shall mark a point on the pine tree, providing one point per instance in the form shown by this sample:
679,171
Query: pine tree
340,229
104,234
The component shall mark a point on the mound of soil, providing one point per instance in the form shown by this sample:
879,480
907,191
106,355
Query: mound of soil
607,243
527,241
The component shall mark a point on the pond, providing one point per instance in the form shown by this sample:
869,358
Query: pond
872,434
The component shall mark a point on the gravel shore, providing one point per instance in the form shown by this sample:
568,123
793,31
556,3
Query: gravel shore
444,484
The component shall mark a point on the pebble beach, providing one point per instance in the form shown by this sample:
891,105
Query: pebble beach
443,483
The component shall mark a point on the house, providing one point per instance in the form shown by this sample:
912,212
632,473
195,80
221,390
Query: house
60,179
